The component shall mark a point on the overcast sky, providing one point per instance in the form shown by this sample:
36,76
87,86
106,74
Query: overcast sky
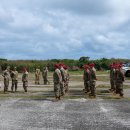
51,29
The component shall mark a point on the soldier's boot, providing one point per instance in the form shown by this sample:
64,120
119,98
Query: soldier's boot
12,87
59,98
121,93
4,90
16,88
25,88
48,82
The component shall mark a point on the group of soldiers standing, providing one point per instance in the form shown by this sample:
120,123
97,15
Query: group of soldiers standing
89,78
61,81
13,74
44,75
116,79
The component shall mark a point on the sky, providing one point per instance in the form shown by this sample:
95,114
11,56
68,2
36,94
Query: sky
64,29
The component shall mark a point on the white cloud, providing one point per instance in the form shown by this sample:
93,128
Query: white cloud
37,29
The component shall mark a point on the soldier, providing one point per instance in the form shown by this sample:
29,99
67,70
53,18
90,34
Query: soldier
57,79
37,76
63,79
25,79
6,75
92,80
119,80
45,76
112,77
66,83
14,77
86,78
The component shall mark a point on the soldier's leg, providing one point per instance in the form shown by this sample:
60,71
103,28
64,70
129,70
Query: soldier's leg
57,90
5,86
13,84
93,88
87,86
38,79
25,86
48,81
117,88
16,84
121,89
112,84
62,89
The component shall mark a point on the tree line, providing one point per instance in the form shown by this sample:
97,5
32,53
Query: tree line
31,65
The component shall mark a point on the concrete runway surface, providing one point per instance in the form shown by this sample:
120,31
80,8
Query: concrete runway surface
71,114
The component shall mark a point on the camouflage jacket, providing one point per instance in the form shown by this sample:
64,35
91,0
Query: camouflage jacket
86,75
112,74
14,75
119,77
92,75
62,73
6,74
25,77
45,73
57,78
37,73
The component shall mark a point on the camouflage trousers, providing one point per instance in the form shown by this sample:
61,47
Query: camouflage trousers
66,86
37,80
45,80
6,84
14,84
93,87
57,90
62,87
113,84
25,85
119,88
87,86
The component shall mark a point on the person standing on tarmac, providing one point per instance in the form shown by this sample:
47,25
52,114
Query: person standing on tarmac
93,79
86,78
57,79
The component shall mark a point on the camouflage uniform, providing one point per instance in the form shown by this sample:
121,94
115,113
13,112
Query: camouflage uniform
37,76
25,80
86,79
66,83
57,79
6,76
92,82
62,85
14,77
45,76
119,82
112,79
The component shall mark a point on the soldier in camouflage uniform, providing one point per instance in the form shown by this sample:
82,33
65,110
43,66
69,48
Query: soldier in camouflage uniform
57,79
86,78
63,79
45,76
112,78
119,80
6,75
37,76
25,79
14,77
66,83
92,80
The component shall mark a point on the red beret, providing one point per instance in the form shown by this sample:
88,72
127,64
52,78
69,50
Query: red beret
56,65
85,66
92,65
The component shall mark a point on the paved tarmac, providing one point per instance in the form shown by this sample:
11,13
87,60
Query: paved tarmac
71,114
